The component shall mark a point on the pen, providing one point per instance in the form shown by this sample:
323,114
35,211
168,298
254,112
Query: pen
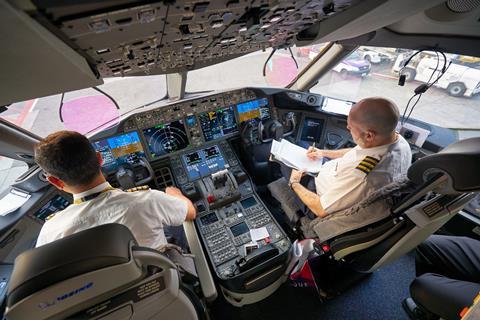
313,146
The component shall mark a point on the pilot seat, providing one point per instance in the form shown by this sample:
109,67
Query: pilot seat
100,273
398,217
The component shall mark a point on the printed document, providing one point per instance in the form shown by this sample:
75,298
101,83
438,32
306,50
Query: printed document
294,156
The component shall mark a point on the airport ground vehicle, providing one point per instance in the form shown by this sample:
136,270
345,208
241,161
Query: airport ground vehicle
85,43
460,79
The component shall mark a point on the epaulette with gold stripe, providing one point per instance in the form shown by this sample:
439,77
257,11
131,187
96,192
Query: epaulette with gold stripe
139,188
367,164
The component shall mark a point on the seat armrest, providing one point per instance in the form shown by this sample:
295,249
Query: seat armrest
205,277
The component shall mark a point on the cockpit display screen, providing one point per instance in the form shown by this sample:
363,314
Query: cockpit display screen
249,202
118,150
252,109
209,219
218,123
52,206
312,130
203,162
239,229
166,138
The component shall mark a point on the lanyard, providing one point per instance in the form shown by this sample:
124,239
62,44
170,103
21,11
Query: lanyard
92,196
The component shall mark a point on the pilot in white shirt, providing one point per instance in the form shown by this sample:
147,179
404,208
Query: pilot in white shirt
72,165
380,155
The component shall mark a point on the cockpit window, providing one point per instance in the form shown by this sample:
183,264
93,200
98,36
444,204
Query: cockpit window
451,102
247,70
9,171
87,109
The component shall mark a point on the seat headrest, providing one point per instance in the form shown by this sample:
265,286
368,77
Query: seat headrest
460,161
85,251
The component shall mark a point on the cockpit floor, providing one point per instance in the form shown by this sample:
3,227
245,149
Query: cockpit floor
376,297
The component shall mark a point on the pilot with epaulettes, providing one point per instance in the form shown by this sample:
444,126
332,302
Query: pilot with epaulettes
381,155
72,165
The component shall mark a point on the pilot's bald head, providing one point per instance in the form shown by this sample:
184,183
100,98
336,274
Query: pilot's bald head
376,114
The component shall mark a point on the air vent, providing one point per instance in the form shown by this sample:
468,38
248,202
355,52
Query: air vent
462,6
42,176
311,100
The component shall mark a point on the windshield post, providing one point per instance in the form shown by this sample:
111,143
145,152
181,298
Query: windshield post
176,83
330,56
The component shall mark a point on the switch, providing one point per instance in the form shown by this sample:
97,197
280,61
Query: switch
210,198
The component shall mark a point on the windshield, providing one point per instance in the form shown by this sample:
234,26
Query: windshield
451,102
87,109
246,71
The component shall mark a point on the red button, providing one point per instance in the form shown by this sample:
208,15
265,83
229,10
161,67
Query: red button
267,240
210,198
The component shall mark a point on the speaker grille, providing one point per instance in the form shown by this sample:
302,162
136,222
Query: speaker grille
462,6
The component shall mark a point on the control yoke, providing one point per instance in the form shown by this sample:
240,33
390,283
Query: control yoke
134,173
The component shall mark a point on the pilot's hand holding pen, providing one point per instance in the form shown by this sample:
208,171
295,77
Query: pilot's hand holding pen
314,153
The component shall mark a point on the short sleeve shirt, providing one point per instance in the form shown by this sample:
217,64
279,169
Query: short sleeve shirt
145,213
344,181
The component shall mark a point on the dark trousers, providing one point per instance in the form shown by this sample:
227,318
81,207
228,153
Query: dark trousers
448,275
308,182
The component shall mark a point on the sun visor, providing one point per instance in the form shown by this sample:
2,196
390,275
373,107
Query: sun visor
34,62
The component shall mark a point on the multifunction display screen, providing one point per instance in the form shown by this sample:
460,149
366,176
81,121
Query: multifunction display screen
119,150
166,138
312,130
252,110
209,219
203,162
239,229
52,206
218,123
249,202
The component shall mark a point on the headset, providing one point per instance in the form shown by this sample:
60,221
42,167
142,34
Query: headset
421,89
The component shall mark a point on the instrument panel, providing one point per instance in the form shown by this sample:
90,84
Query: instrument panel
176,128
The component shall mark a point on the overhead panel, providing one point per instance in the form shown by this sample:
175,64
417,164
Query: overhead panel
125,38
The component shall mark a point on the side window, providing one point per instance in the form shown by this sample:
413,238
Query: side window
9,171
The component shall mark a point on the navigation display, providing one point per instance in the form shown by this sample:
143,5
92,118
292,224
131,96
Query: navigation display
312,130
203,162
251,109
52,206
166,138
118,150
216,124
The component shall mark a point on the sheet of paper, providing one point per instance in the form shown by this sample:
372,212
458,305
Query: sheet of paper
11,202
259,234
417,135
294,156
337,106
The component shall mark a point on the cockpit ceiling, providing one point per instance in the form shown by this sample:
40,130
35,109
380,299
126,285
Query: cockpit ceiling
125,38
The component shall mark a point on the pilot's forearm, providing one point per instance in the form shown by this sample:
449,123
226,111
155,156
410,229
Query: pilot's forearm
310,199
334,154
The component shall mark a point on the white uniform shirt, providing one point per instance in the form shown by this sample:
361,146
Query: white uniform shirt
344,181
143,212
